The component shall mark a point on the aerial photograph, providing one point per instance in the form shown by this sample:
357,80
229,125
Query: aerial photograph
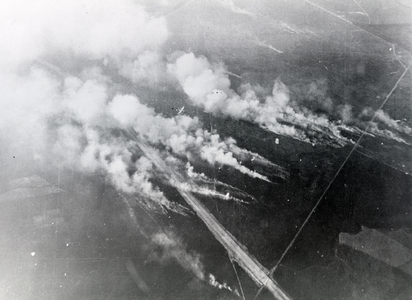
205,149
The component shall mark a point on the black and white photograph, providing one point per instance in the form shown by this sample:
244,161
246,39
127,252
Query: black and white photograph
205,150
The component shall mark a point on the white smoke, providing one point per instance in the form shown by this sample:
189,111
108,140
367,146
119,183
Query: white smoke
205,191
72,30
72,116
182,134
266,45
174,248
217,284
383,125
257,159
148,69
229,4
115,159
87,28
397,125
345,113
208,86
213,186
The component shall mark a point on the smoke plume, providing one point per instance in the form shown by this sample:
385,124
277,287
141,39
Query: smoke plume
310,116
174,248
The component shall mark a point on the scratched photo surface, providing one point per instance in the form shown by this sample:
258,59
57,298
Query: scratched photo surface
193,149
